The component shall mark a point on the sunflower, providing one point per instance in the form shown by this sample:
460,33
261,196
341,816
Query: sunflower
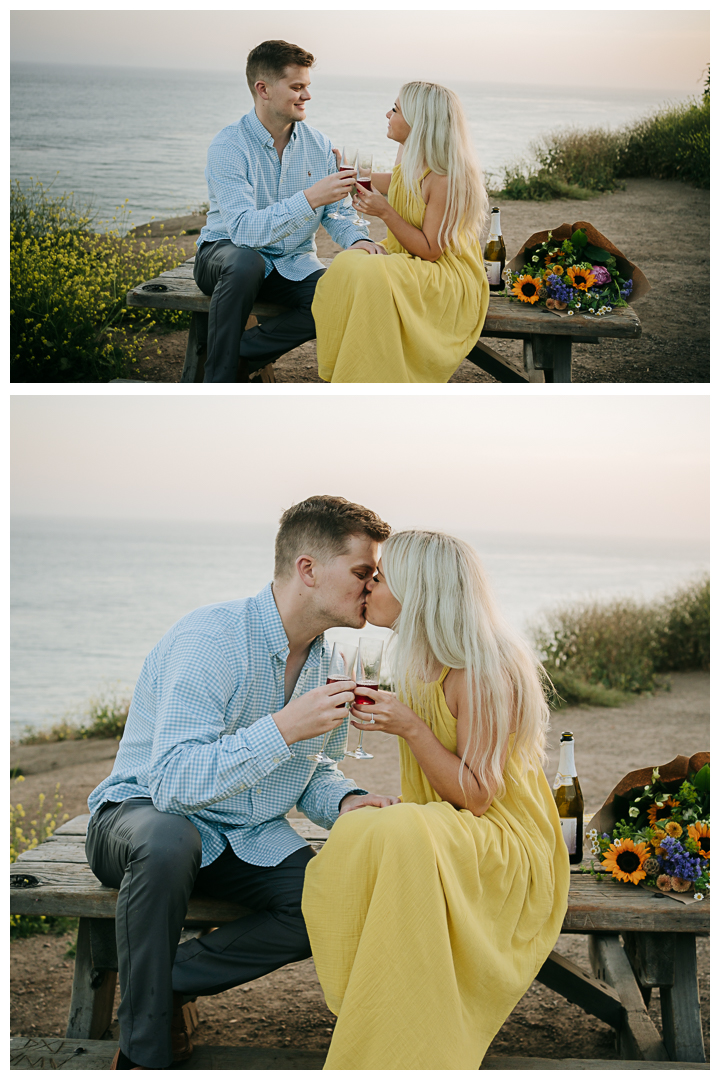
581,279
527,288
701,834
626,861
553,257
657,813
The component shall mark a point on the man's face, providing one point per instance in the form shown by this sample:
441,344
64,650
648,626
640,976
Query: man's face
342,583
286,98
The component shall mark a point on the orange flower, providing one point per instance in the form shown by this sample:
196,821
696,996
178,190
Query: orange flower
581,279
657,813
664,883
626,860
672,828
680,884
701,834
527,288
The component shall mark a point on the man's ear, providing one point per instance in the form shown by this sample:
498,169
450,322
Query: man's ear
305,566
261,89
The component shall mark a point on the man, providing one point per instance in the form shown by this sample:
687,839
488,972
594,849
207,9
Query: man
272,181
229,707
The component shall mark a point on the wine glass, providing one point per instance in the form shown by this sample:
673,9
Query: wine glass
367,673
348,160
341,666
364,174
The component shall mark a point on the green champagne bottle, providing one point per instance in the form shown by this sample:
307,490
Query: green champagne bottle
494,254
569,798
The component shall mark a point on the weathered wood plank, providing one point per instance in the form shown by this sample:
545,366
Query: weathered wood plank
93,992
611,907
86,1054
496,365
55,852
680,1005
504,316
595,997
638,1037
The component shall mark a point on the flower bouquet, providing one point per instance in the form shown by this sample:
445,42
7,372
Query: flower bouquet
575,270
654,829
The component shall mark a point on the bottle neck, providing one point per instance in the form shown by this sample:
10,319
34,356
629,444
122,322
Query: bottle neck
495,230
566,764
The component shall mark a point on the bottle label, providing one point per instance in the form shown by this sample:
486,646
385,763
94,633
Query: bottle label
492,269
569,831
563,781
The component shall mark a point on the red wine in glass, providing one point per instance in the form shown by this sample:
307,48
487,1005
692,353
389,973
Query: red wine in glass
360,699
364,183
337,678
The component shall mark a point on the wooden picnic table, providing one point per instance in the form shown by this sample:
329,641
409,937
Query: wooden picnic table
658,948
547,338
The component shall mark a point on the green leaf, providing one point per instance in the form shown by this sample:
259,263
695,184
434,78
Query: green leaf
579,238
702,780
596,254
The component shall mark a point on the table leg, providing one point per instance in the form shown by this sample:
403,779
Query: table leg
534,375
638,1038
93,989
196,350
554,354
680,1005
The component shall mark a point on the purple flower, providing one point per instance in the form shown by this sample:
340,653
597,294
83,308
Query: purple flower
677,862
626,289
601,275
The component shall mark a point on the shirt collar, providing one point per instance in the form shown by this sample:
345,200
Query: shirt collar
261,133
275,636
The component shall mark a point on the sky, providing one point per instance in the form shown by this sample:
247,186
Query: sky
571,464
649,49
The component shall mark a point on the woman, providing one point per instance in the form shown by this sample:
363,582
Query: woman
413,315
430,919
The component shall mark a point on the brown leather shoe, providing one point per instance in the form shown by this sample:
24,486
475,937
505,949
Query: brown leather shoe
184,1022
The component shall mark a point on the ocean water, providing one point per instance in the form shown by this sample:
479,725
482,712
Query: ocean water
91,598
112,134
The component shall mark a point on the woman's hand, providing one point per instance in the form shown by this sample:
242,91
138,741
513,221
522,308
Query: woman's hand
370,202
388,713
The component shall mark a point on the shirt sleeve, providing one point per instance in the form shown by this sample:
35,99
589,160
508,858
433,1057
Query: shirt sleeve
320,801
342,229
194,764
229,183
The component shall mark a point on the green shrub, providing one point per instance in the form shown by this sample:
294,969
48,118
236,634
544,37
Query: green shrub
104,717
68,319
673,143
683,631
598,653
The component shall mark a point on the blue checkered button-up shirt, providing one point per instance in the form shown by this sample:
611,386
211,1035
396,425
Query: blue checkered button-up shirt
258,201
200,740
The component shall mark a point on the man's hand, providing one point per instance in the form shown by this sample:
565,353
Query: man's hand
331,189
314,713
354,802
368,245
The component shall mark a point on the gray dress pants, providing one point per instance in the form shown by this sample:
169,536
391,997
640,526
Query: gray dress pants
153,859
235,277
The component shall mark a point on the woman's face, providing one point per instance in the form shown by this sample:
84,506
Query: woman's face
382,607
398,128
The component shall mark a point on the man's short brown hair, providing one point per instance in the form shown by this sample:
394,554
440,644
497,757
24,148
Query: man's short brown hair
270,59
321,526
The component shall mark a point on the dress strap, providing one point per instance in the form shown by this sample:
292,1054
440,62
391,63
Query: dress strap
443,675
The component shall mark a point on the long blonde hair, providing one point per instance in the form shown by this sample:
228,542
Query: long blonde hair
449,617
439,140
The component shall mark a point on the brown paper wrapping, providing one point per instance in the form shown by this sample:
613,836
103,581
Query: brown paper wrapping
641,285
633,784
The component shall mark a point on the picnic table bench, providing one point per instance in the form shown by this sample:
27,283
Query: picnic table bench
658,949
547,338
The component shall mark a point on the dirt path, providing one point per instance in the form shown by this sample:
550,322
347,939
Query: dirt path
662,226
287,1006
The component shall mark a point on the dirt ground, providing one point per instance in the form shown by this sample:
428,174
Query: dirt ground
287,1007
661,225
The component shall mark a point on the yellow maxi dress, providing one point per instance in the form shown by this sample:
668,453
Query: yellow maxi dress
399,318
428,924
